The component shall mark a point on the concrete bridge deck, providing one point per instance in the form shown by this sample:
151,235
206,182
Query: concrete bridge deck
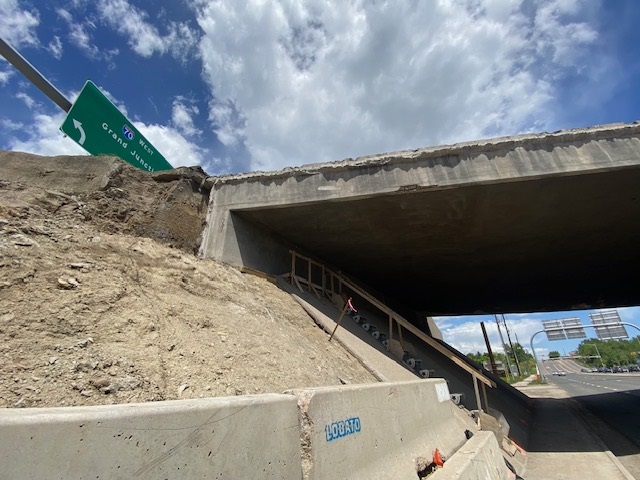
525,223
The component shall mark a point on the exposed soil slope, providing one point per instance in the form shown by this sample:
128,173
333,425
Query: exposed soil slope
102,299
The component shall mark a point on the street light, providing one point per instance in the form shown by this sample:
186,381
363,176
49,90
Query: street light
599,356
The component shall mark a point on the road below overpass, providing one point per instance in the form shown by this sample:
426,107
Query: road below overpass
610,404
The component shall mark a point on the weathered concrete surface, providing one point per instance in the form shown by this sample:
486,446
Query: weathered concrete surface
376,431
480,457
525,223
357,342
239,437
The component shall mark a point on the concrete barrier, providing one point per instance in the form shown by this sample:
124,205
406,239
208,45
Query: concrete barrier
217,438
376,431
480,457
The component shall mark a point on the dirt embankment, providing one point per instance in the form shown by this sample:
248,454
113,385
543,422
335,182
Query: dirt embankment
102,299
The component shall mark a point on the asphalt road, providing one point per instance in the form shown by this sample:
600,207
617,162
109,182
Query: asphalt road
613,398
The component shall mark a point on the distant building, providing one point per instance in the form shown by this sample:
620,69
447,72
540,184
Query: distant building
499,367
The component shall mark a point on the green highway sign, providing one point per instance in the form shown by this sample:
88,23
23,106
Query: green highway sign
98,126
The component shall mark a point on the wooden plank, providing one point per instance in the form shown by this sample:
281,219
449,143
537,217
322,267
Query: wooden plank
316,290
344,310
258,273
295,278
486,399
417,332
409,326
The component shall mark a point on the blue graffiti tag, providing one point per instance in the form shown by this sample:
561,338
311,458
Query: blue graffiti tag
342,428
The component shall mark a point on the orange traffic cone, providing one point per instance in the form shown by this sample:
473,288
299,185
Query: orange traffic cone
437,458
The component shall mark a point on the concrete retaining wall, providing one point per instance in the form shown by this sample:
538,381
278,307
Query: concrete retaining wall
376,431
217,438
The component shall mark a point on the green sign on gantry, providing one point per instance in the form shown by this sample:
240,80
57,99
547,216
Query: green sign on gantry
101,129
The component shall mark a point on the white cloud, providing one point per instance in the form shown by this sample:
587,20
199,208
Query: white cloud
9,124
630,315
45,138
143,37
55,47
182,117
80,35
18,25
465,334
565,42
178,151
5,75
300,82
29,102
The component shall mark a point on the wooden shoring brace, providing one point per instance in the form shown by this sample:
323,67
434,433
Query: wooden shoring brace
293,266
297,283
309,274
486,399
347,304
324,282
400,336
390,329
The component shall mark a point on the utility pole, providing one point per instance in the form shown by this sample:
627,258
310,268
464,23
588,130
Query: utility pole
504,346
504,320
494,367
518,342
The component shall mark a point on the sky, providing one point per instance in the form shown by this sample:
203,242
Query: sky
465,332
237,86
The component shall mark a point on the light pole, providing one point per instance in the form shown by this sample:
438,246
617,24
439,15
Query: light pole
597,352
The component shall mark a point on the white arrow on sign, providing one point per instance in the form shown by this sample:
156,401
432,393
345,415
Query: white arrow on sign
83,136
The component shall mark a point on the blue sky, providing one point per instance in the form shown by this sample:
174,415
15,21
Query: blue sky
262,85
465,332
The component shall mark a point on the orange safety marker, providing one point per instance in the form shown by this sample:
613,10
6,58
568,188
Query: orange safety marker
437,458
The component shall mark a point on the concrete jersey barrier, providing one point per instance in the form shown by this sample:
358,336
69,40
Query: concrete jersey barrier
217,438
376,431
480,457
353,431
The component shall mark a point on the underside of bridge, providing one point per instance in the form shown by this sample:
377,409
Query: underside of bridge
557,243
532,224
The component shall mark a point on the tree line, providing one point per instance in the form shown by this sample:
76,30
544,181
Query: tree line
517,357
612,352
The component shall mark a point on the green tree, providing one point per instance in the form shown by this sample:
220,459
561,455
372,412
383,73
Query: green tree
554,354
478,357
612,352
